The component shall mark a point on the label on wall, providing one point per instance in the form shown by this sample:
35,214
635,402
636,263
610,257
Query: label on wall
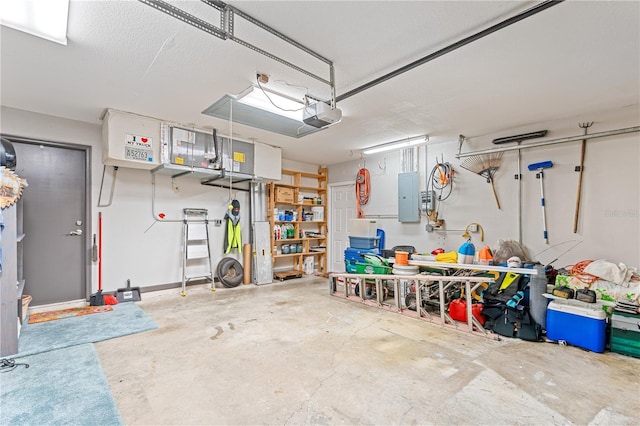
138,147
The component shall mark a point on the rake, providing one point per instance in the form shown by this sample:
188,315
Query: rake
485,165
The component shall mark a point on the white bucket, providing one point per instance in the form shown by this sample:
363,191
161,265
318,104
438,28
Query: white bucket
405,285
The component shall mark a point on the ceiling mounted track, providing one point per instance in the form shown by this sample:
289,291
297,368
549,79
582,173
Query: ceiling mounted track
500,25
228,14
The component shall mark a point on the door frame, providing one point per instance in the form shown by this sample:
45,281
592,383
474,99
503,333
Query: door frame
330,188
86,149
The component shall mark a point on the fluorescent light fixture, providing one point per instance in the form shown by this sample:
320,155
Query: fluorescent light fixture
46,19
401,144
253,108
271,101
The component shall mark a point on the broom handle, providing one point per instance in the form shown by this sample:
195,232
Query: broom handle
494,193
575,218
99,250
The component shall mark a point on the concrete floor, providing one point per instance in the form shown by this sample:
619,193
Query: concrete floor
289,353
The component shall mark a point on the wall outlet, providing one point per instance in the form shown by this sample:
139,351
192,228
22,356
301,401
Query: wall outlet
217,222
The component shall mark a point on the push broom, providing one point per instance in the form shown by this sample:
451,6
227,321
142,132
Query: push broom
485,166
539,167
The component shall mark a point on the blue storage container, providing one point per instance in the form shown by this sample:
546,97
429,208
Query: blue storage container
577,323
354,253
364,242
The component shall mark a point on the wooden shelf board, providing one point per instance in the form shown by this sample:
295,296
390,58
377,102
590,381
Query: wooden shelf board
303,174
287,240
311,188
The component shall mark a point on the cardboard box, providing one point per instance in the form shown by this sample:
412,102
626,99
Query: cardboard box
284,195
625,334
577,323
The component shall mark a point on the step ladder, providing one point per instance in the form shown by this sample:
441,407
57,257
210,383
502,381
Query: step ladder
195,246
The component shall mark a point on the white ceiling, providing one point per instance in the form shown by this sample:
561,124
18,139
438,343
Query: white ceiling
576,58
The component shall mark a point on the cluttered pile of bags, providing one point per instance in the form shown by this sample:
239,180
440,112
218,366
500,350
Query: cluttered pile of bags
600,280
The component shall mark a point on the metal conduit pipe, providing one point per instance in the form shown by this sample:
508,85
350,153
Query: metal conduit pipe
552,141
503,24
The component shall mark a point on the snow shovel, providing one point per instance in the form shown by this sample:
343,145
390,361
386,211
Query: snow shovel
129,294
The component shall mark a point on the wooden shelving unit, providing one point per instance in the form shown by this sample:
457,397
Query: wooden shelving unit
306,191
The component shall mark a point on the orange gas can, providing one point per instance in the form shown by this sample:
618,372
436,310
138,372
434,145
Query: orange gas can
458,311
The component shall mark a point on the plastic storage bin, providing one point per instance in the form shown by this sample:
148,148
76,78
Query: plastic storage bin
354,254
625,334
364,242
576,324
366,268
363,228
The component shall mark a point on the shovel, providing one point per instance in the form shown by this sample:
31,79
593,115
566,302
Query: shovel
129,294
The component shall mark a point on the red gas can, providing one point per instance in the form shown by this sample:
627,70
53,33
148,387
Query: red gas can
458,311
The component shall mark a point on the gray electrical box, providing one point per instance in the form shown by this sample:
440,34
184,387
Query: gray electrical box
408,197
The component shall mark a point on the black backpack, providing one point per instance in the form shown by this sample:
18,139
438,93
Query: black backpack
505,313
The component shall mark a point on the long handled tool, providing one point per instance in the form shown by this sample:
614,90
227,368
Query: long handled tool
539,167
580,168
485,166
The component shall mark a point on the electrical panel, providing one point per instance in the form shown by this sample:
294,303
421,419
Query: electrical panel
408,197
427,200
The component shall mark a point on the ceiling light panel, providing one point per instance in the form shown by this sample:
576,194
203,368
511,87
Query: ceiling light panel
46,19
230,108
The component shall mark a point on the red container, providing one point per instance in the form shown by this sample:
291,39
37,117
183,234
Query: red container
458,311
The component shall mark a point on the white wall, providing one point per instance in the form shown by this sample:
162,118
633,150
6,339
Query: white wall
609,214
609,218
132,247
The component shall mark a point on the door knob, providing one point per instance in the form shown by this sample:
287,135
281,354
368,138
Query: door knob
77,232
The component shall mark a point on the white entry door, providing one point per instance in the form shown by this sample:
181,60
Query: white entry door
343,208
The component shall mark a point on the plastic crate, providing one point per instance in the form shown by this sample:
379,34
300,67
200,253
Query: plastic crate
366,268
354,254
364,242
350,266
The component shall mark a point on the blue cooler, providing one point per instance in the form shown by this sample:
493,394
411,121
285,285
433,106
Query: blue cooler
577,323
